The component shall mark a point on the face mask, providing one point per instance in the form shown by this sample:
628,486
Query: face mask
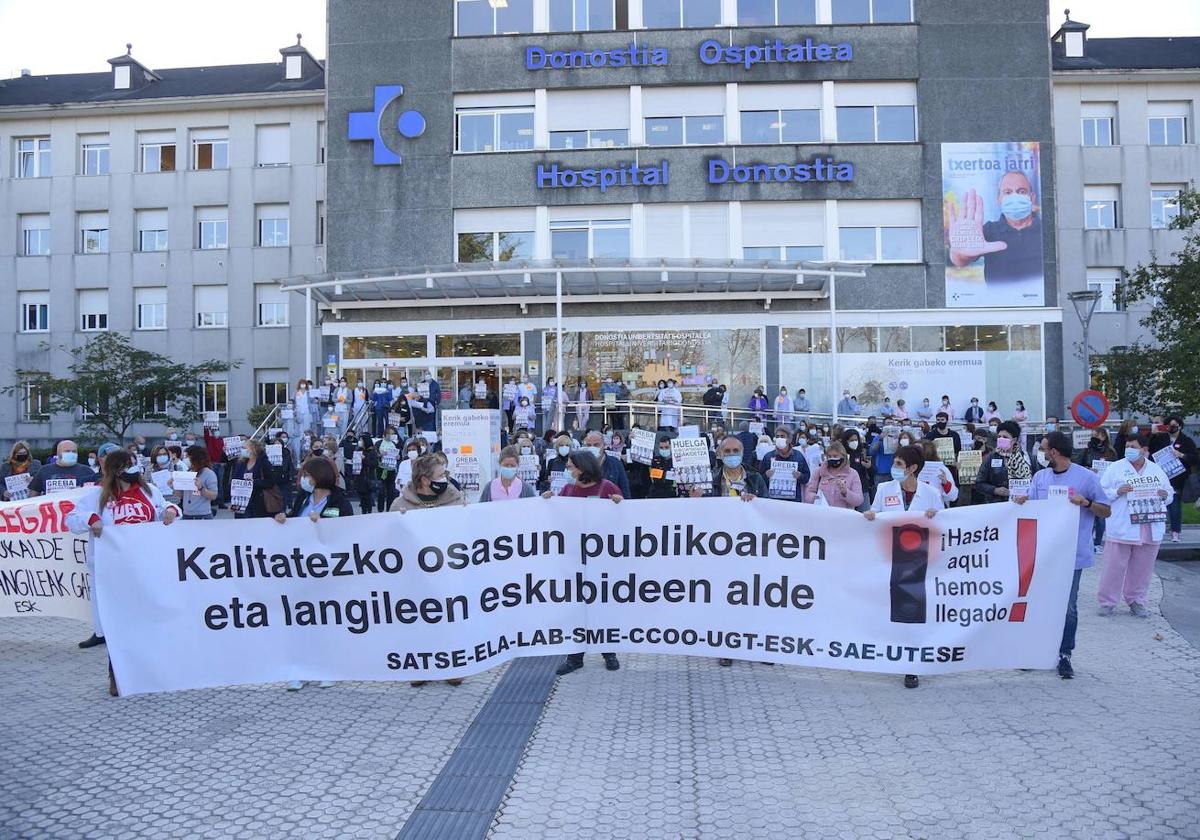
174,436
905,441
1004,444
306,484
21,457
1133,430
68,459
979,444
1050,427
1097,443
1173,430
595,450
392,438
974,402
853,445
664,453
834,463
925,403
379,389
412,454
162,459
1132,453
781,443
92,463
525,450
1016,207
317,450
283,441
508,473
1042,459
732,461
134,471
439,487
941,424
898,473
564,451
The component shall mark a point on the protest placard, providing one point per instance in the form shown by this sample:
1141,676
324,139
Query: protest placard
641,446
689,459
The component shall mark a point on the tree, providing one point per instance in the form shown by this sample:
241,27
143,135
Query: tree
115,385
1168,365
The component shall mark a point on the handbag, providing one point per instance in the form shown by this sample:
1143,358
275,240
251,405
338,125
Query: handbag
273,500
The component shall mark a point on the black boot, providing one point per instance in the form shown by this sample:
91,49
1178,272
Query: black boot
572,663
610,662
911,681
92,641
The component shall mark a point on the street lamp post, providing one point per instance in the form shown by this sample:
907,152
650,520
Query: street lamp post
1085,302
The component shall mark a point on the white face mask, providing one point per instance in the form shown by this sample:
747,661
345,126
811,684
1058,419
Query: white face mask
853,445
412,454
781,443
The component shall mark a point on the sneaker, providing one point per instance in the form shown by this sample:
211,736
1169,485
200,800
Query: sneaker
1105,609
911,681
418,683
611,663
295,685
1064,666
455,681
1139,610
724,663
1175,536
567,667
92,641
326,684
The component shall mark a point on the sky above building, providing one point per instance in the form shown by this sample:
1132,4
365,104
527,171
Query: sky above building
69,36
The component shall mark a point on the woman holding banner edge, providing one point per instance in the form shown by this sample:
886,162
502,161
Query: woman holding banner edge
123,497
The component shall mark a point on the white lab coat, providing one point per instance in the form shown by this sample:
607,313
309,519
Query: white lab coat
889,498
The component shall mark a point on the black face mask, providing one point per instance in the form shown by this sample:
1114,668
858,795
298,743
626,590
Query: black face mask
1173,430
979,444
439,487
21,457
1097,444
834,463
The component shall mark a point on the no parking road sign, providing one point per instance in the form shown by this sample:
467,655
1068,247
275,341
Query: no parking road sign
1090,409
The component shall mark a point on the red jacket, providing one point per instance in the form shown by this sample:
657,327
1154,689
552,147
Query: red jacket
215,446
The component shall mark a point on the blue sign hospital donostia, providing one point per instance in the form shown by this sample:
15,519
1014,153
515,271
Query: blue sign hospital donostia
710,52
719,172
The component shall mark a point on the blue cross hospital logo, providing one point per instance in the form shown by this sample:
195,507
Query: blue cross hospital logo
366,125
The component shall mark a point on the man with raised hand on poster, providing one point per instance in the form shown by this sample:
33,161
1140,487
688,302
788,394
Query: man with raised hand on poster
1011,246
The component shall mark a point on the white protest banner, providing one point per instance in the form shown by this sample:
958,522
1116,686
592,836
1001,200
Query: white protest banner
240,491
43,567
641,446
558,480
275,454
274,432
454,591
1081,439
757,428
356,462
931,473
184,482
471,443
1146,507
783,480
689,459
1099,465
528,468
329,421
161,479
396,420
287,413
423,390
235,447
969,462
692,431
1169,461
430,436
945,449
388,457
1018,488
17,486
212,420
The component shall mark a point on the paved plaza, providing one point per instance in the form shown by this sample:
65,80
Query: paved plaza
667,747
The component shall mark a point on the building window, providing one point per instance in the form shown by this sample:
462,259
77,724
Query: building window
589,240
1100,205
592,138
272,387
35,403
212,227
877,123
151,305
685,131
499,246
776,12
1099,123
93,233
321,141
273,145
272,306
493,17
1164,206
210,149
1105,281
152,230
35,235
495,130
33,157
880,244
320,222
156,149
588,15
794,126
1168,123
272,225
93,154
673,14
872,11
214,396
478,345
93,310
35,311
212,307
155,406
785,253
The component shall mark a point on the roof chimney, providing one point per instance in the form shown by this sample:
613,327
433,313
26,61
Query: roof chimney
298,63
129,73
1070,41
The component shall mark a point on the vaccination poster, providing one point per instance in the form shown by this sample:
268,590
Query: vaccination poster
992,224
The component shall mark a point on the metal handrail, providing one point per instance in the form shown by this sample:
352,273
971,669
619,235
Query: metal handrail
267,423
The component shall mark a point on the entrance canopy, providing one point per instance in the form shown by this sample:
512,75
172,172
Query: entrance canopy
535,281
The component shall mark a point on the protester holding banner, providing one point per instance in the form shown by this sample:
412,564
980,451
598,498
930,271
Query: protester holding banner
731,477
216,457
556,468
253,502
20,467
366,461
123,497
858,456
429,487
319,497
660,473
198,499
1139,491
414,448
610,466
1078,486
1184,449
507,485
784,468
1007,463
835,483
66,473
1129,428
